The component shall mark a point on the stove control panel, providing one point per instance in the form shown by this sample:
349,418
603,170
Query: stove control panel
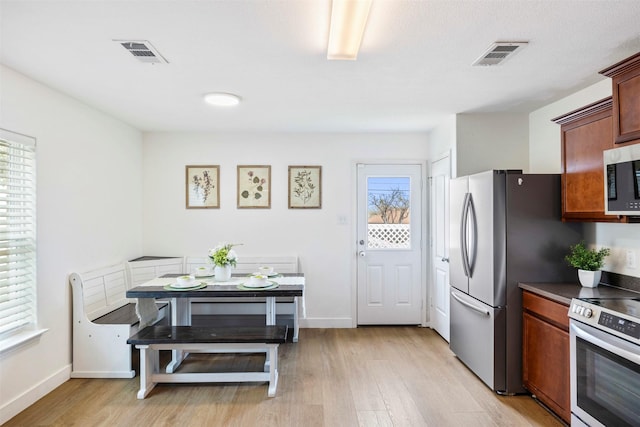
619,324
615,322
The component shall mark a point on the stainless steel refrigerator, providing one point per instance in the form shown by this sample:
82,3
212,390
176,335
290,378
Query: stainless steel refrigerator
506,228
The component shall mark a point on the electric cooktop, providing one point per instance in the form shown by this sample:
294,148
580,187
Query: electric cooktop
619,316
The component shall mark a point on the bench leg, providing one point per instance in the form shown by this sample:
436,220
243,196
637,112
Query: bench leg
180,316
273,370
149,365
267,359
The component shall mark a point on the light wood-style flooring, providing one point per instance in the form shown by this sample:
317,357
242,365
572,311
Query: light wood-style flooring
367,376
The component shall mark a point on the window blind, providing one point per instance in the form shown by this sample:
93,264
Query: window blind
17,232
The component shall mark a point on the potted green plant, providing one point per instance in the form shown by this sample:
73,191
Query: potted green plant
588,262
224,258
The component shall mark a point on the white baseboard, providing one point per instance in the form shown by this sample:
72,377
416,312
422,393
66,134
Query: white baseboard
320,322
29,397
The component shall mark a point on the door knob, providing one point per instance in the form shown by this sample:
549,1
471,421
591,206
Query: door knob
445,259
361,254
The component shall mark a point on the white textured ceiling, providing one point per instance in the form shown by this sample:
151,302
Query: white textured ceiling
414,64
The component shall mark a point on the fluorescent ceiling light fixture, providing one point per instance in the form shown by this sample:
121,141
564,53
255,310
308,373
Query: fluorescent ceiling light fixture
221,99
348,20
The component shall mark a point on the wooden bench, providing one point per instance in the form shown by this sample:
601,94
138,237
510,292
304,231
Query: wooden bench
103,320
259,339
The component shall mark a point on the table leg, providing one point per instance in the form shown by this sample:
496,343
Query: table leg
270,320
180,316
271,310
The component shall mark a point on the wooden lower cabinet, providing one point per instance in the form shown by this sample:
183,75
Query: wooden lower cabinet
545,352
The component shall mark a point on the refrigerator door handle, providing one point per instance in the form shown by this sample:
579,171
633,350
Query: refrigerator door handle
469,305
463,235
472,243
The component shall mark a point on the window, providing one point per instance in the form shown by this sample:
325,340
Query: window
389,223
17,233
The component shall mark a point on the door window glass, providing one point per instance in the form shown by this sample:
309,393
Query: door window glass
389,216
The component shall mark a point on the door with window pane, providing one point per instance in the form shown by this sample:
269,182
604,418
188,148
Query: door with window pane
389,244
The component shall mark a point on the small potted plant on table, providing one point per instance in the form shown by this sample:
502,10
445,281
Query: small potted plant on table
224,258
588,262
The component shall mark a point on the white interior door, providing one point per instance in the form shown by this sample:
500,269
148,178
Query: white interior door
440,176
390,263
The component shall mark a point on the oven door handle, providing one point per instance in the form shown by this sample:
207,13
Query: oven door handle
604,343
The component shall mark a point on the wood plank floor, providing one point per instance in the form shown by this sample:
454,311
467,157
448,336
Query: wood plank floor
368,376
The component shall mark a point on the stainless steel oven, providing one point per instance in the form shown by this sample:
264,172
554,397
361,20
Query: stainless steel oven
605,362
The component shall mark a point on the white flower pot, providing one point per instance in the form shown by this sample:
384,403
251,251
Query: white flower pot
589,279
222,273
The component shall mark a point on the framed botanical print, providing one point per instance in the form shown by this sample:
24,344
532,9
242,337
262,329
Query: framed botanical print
254,186
305,187
203,187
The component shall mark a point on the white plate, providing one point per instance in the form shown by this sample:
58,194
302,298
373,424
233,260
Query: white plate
176,287
257,286
268,275
204,275
185,285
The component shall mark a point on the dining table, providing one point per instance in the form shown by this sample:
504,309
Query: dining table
207,288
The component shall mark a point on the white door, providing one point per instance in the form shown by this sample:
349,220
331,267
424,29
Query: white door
389,253
439,195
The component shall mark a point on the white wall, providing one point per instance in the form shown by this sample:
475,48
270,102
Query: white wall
324,246
89,211
545,145
545,157
442,141
491,141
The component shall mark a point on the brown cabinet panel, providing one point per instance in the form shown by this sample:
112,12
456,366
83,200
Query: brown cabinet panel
546,364
586,133
550,311
545,352
629,105
583,146
625,77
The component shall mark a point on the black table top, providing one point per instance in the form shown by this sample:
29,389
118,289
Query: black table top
215,291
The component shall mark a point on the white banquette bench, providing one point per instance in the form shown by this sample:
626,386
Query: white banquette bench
104,319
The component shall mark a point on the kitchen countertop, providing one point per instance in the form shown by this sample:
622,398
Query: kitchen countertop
564,292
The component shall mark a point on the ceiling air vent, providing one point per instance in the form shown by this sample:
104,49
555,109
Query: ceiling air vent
499,52
143,50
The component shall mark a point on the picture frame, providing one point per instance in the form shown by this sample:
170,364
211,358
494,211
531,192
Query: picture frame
254,186
202,185
305,187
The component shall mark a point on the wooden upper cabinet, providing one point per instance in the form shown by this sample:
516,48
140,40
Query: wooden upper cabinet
625,77
586,132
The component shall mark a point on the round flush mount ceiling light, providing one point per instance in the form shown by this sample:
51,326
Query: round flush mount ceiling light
222,99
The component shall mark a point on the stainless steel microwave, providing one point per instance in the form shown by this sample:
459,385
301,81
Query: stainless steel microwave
622,183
